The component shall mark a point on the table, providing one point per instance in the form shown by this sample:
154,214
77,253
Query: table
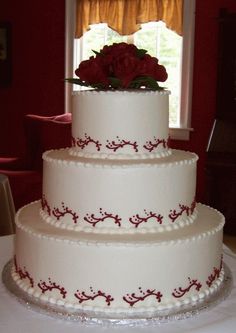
14,317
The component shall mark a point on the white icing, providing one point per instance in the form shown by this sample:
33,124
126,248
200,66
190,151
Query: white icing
144,310
61,156
119,187
160,154
116,220
28,219
136,117
62,254
159,228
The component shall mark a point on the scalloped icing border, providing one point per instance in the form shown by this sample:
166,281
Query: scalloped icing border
145,310
120,91
102,163
84,241
78,153
121,231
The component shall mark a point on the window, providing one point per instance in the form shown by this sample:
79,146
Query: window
173,51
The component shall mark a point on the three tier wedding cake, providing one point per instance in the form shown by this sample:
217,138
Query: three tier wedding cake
118,229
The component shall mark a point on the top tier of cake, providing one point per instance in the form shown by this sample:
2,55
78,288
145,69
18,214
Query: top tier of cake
120,124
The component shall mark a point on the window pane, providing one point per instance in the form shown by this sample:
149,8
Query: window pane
166,45
159,41
93,40
114,37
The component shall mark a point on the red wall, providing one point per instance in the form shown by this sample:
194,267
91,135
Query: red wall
204,82
38,71
37,66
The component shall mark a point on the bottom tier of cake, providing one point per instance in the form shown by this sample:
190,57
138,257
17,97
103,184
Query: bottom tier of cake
122,274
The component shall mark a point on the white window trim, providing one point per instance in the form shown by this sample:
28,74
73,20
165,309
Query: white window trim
180,133
183,132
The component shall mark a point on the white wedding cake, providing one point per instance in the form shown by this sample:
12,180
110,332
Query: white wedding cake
118,229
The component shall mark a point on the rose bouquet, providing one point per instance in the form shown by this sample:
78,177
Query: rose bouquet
120,66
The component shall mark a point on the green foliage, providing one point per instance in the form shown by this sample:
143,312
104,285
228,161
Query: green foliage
145,81
141,52
115,83
142,81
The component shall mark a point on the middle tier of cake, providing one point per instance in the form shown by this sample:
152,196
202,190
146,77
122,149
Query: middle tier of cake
105,196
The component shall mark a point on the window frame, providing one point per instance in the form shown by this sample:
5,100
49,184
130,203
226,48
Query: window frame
177,133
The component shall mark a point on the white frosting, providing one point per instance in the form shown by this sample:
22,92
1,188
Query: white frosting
159,228
120,124
118,196
101,262
118,229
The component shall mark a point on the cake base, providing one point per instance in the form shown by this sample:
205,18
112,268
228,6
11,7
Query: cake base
91,317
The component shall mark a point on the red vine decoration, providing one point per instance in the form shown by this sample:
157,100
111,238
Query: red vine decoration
92,219
121,144
137,219
23,274
180,292
82,143
215,275
150,146
65,210
132,299
83,297
50,286
73,141
174,214
45,205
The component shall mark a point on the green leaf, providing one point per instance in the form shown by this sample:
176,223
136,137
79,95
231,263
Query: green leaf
96,52
146,81
141,53
77,81
114,82
85,84
97,86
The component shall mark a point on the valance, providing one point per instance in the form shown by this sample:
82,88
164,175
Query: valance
126,16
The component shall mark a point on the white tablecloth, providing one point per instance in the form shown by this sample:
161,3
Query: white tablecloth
14,317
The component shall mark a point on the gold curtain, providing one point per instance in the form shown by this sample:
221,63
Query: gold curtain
126,16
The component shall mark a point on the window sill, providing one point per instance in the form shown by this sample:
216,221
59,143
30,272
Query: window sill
177,133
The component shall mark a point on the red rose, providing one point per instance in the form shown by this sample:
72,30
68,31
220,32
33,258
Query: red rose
125,68
110,54
121,65
117,49
92,72
149,67
107,64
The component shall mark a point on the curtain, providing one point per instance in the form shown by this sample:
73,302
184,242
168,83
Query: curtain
126,16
